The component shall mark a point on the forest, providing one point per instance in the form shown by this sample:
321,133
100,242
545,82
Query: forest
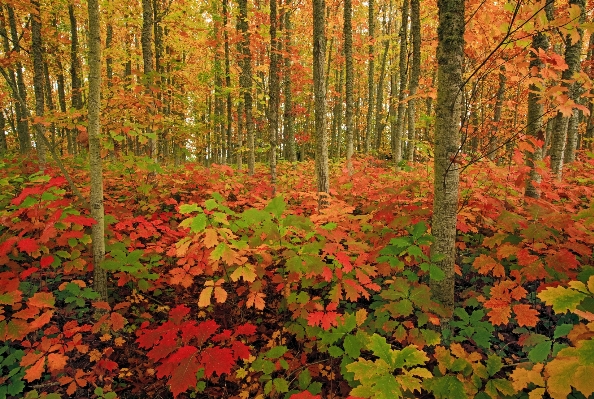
297,199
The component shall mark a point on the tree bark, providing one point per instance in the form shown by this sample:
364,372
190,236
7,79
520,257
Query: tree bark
96,172
289,132
415,74
146,40
38,81
450,58
370,74
273,92
246,82
319,53
75,70
22,122
572,58
397,146
349,78
228,150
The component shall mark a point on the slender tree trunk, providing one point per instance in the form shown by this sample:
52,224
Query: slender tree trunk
246,82
228,150
572,58
273,92
38,80
370,74
379,116
415,74
289,132
338,117
96,172
402,85
75,67
49,99
62,102
450,59
22,122
319,52
589,135
349,78
147,59
3,144
492,147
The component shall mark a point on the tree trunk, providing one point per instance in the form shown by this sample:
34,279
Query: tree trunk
246,81
370,74
319,52
75,67
415,74
492,147
96,201
3,145
450,58
38,80
572,58
227,151
22,122
289,132
348,55
396,151
147,59
273,92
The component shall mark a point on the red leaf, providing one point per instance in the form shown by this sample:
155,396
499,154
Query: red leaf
81,220
205,330
304,395
46,260
240,350
6,246
178,313
245,329
217,360
28,245
345,261
185,366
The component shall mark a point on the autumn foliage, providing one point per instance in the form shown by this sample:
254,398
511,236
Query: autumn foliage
219,290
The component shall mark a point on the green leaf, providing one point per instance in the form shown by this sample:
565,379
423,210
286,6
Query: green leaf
198,223
540,352
418,230
276,352
562,330
281,385
562,299
409,356
189,208
446,387
494,364
352,346
276,206
304,379
335,351
211,204
436,273
381,348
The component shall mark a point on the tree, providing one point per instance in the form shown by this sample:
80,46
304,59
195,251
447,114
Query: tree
75,74
450,58
273,91
370,73
415,74
319,53
348,55
288,129
402,61
38,81
94,129
147,57
246,81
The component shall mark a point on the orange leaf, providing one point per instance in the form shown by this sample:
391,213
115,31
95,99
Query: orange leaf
210,238
42,300
256,299
56,361
34,372
526,315
117,321
500,311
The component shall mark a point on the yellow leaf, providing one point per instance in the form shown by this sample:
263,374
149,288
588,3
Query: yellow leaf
521,377
361,316
220,295
94,355
204,299
537,393
210,238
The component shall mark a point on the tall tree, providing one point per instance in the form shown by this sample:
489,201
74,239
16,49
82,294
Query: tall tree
370,74
147,57
273,91
94,112
415,74
19,84
38,80
246,81
348,55
450,59
319,53
288,130
402,61
75,71
572,58
228,147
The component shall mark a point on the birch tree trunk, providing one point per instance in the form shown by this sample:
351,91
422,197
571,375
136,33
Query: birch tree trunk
348,55
319,53
450,58
96,172
38,80
415,74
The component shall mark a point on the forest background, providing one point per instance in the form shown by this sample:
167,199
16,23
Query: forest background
296,199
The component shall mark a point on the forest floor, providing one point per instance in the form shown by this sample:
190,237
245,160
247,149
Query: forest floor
219,290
